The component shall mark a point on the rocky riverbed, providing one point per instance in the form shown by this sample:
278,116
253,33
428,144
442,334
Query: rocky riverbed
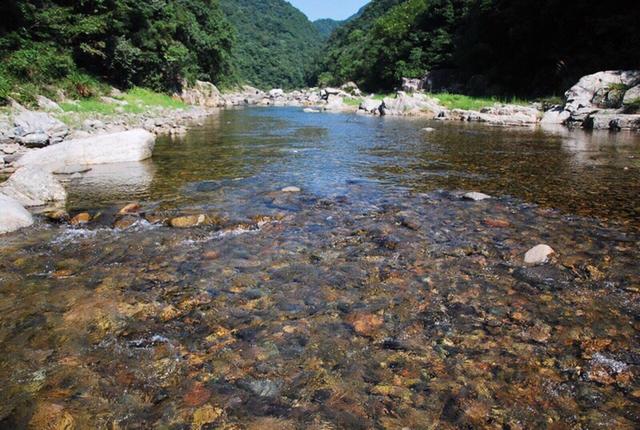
277,269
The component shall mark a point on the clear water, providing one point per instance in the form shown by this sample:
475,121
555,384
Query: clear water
375,298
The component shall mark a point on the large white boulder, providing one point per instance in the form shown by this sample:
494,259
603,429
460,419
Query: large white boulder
33,186
133,145
201,93
12,215
410,104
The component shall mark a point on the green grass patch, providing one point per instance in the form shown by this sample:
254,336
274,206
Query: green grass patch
145,97
138,100
353,101
459,101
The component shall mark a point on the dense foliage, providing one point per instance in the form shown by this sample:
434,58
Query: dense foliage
326,26
517,46
277,45
155,44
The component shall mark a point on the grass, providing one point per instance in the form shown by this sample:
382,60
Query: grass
353,101
459,101
137,100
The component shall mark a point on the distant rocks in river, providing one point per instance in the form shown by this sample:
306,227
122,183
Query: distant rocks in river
603,100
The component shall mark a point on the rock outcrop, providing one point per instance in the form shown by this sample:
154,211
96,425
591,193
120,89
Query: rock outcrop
603,100
201,93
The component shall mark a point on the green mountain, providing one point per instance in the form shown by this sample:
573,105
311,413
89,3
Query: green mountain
326,26
276,45
524,47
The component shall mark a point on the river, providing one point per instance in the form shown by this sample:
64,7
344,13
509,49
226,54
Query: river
375,297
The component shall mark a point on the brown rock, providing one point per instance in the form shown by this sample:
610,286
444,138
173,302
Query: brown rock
365,324
58,215
81,218
125,222
50,416
496,223
205,415
197,395
131,208
211,255
187,221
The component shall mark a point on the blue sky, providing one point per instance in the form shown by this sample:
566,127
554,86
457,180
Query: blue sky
336,9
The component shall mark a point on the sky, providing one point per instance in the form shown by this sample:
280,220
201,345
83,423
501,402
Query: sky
336,9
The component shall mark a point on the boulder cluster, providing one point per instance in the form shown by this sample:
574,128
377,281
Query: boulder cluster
604,100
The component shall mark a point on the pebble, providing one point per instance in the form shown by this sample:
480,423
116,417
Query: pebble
365,324
131,208
290,190
81,218
428,129
187,221
476,197
538,254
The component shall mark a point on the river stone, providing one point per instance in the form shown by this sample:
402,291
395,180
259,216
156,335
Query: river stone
538,254
475,196
34,140
290,190
38,123
428,129
13,216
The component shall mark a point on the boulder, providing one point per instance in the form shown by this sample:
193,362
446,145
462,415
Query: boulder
47,104
555,115
201,93
351,88
612,121
33,186
506,115
370,105
30,128
598,91
335,102
133,145
411,85
410,104
276,93
632,96
13,216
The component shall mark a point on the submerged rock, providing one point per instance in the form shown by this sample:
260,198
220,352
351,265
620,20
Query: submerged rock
538,254
291,190
187,221
476,197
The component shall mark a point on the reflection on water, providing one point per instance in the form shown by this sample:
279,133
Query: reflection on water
374,298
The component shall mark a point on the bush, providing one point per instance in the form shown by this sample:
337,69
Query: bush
40,63
6,85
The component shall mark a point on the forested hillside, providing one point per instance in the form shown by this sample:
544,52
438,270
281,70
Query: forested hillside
516,46
79,44
276,44
326,26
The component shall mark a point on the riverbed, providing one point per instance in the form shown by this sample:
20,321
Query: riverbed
375,297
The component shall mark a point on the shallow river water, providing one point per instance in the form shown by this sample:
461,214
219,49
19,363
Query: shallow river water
374,298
